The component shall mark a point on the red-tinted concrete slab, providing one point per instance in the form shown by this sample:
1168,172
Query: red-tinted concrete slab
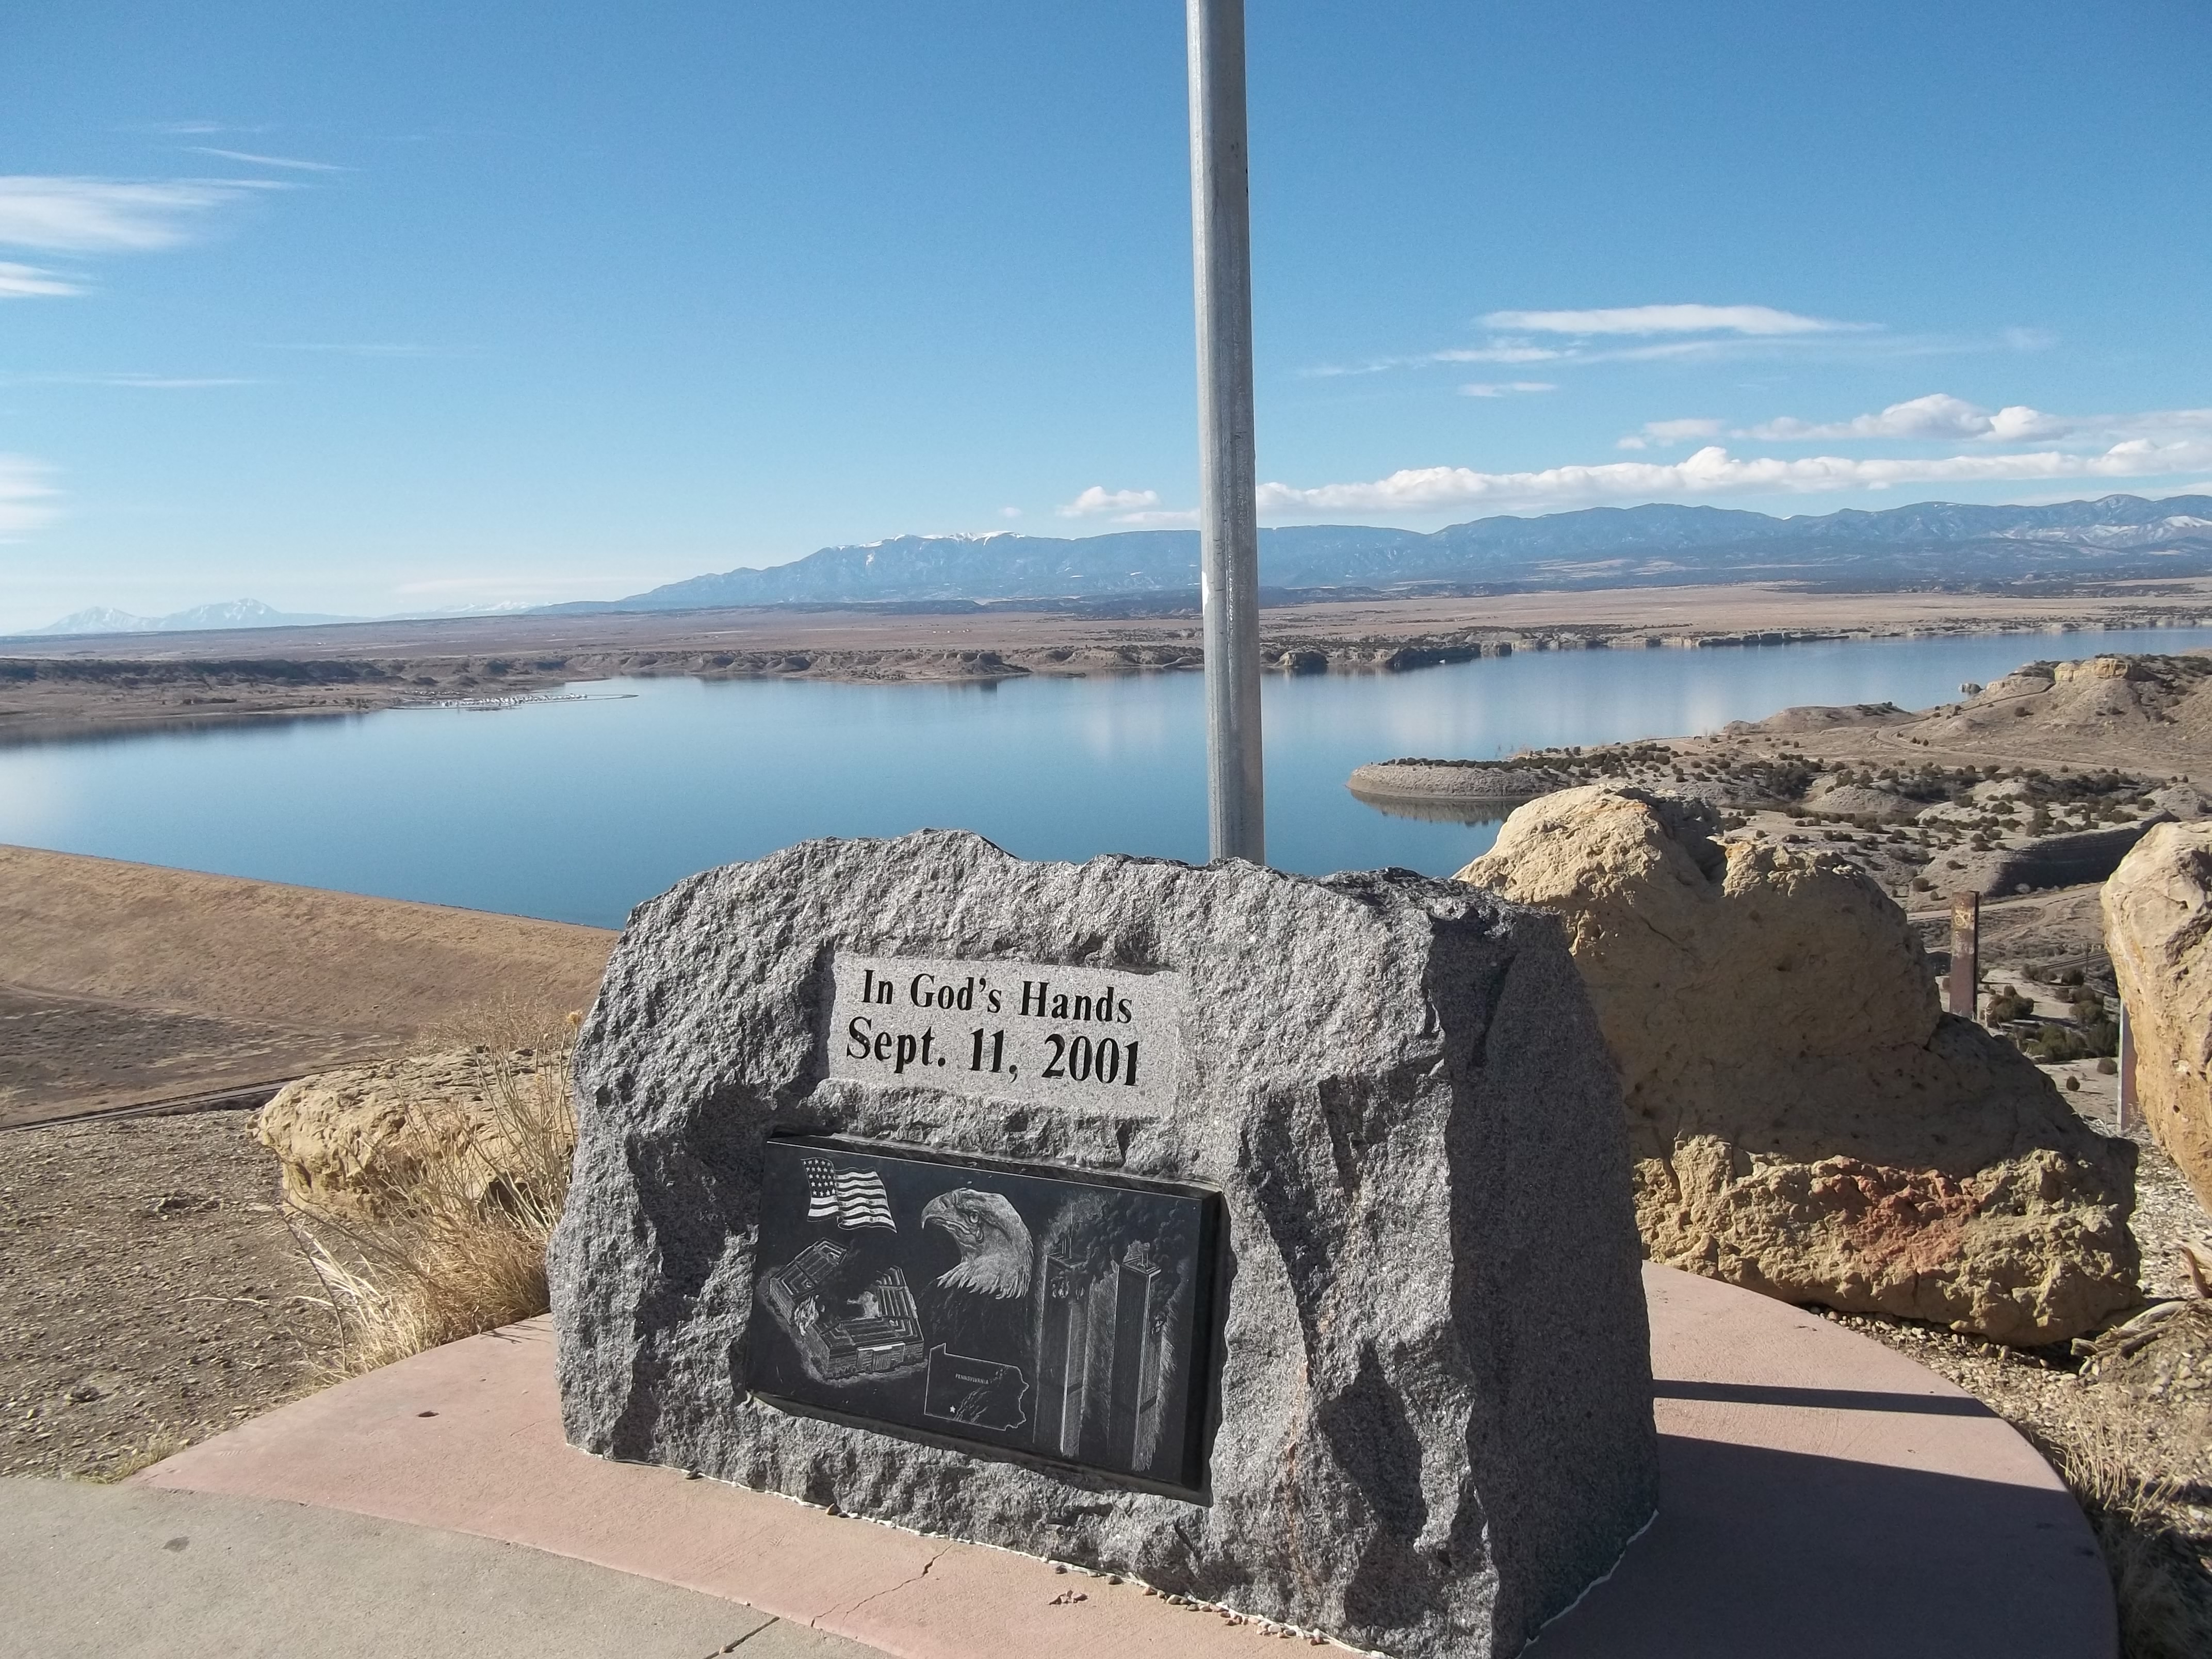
1821,1495
468,1437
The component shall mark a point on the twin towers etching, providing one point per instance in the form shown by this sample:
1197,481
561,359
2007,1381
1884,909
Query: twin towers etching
1053,1316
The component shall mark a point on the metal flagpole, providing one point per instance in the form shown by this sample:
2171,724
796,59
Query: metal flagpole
1229,525
2123,1100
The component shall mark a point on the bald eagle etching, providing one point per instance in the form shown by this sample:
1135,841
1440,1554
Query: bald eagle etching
995,1252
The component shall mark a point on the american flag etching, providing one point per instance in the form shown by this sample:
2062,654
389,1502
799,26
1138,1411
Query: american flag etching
854,1197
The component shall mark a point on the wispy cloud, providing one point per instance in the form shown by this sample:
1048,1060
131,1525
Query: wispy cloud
248,157
1504,389
1762,320
110,215
1671,431
1010,513
26,499
1938,418
1681,334
19,281
141,382
1713,471
1098,501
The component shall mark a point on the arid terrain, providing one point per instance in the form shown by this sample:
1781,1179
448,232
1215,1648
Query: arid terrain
122,985
151,1293
1995,793
72,685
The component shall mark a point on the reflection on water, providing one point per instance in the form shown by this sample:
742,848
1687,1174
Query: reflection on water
1464,809
579,810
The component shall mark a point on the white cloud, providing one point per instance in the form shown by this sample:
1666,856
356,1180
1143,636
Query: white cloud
1670,432
1505,388
1685,334
1937,415
26,498
1010,513
1713,471
1763,320
1165,518
29,283
269,160
1502,351
1940,417
1098,500
109,215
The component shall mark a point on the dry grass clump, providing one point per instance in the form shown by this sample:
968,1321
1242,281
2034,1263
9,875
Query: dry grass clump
158,1447
458,1249
2160,1578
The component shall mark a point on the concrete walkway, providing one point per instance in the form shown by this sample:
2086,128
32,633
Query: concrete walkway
1821,1497
117,1572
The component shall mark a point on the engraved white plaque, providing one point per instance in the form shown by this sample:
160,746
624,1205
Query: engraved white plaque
1094,1039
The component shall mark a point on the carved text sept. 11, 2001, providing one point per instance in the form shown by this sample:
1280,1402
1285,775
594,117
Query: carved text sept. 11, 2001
1102,1038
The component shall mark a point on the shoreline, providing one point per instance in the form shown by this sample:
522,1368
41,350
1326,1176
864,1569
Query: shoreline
75,687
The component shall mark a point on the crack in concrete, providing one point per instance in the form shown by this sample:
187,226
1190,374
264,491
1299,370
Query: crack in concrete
911,1578
732,1647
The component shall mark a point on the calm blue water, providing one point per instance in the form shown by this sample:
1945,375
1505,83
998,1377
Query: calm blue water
578,810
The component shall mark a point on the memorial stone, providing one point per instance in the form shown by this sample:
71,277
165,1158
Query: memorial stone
1266,1239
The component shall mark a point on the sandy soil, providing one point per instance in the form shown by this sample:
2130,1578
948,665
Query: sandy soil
68,687
150,1295
124,983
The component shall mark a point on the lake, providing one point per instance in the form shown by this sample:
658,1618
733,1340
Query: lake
576,811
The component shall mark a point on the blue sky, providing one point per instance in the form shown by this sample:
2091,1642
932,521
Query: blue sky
407,305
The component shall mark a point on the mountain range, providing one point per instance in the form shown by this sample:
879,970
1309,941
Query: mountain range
1604,546
1659,545
230,613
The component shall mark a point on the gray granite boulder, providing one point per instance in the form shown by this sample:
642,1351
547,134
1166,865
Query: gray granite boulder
1433,1394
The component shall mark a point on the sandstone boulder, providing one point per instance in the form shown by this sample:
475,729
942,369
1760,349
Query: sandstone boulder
355,1143
2158,931
1805,1122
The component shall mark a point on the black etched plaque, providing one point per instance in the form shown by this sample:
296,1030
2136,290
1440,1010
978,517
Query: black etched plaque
1057,1316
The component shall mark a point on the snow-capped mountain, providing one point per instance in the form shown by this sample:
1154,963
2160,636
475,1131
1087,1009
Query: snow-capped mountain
230,613
1933,541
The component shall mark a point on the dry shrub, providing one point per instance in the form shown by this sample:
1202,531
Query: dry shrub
2161,1579
460,1247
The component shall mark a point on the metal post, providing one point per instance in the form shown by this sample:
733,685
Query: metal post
1965,954
1228,524
2125,1095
